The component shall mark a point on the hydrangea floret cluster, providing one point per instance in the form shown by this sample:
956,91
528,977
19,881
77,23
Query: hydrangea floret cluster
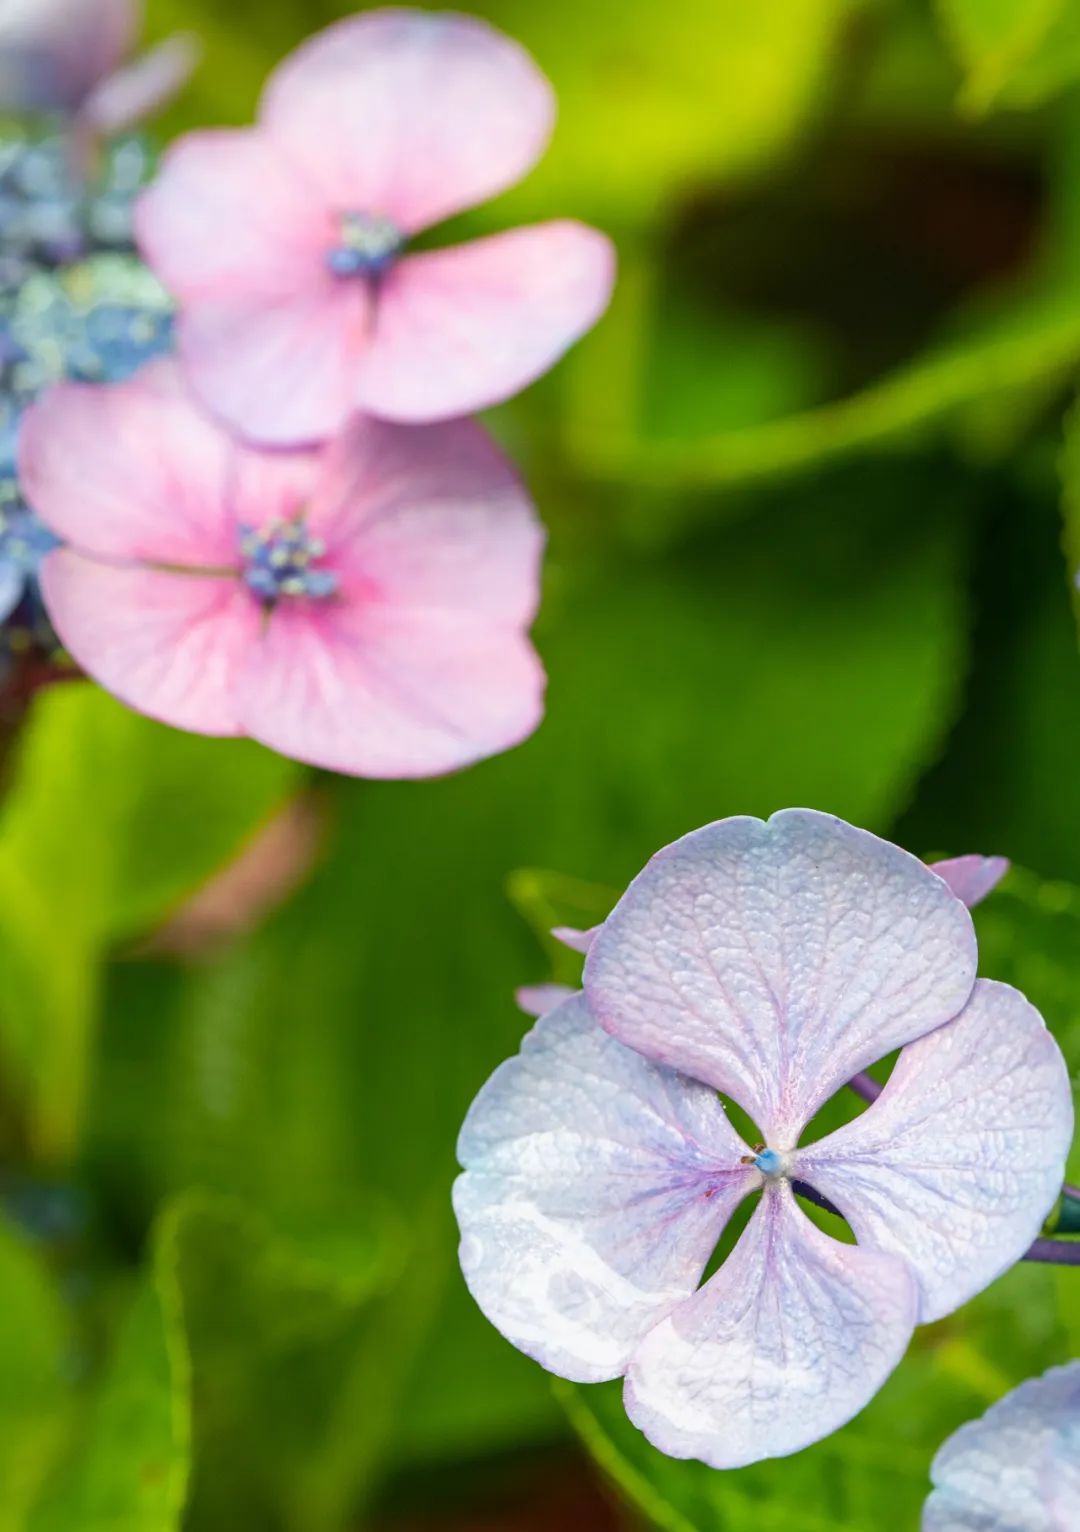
75,302
765,962
292,533
1017,1469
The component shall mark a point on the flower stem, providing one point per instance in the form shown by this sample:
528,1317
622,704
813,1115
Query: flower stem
816,1198
866,1087
1056,1252
1068,1214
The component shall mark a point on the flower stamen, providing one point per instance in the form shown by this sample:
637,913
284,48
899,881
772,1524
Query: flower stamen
368,246
279,559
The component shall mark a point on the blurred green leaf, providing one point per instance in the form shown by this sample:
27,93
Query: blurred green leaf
130,1470
1015,51
1034,344
275,1321
110,820
32,1403
219,1405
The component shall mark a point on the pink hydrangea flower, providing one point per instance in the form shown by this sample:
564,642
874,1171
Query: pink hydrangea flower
284,244
69,56
362,606
1017,1469
771,962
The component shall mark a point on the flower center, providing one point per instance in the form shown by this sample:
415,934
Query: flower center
368,245
771,1163
279,559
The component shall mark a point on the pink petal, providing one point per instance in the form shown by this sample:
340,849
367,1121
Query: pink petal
775,960
791,1338
408,114
1017,1468
595,1189
137,471
169,645
281,371
379,692
577,941
228,217
539,999
971,878
457,330
433,519
53,52
122,100
959,1160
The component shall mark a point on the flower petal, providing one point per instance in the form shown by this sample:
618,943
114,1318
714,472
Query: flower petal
123,99
1017,1468
136,471
281,373
226,216
433,519
381,692
791,1338
957,1163
169,645
971,878
577,941
457,330
539,999
52,52
408,114
775,960
596,1187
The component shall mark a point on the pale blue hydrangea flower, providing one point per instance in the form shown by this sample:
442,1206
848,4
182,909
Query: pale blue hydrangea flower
770,962
1017,1468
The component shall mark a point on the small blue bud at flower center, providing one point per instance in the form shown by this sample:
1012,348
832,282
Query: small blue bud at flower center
770,1163
279,561
368,246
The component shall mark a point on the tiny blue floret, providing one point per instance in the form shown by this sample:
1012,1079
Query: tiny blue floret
369,245
279,559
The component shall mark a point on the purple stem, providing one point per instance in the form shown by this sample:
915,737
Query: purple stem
864,1086
1055,1252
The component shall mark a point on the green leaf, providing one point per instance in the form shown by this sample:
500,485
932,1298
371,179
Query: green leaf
35,1332
1036,343
130,1471
110,820
276,1319
1017,52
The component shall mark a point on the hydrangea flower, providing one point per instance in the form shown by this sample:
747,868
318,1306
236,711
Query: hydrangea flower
69,57
362,606
98,320
770,962
1017,1469
285,244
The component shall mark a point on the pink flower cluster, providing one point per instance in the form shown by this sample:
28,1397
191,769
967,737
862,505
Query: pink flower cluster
291,532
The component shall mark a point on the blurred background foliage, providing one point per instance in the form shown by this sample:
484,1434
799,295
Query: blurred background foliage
813,489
